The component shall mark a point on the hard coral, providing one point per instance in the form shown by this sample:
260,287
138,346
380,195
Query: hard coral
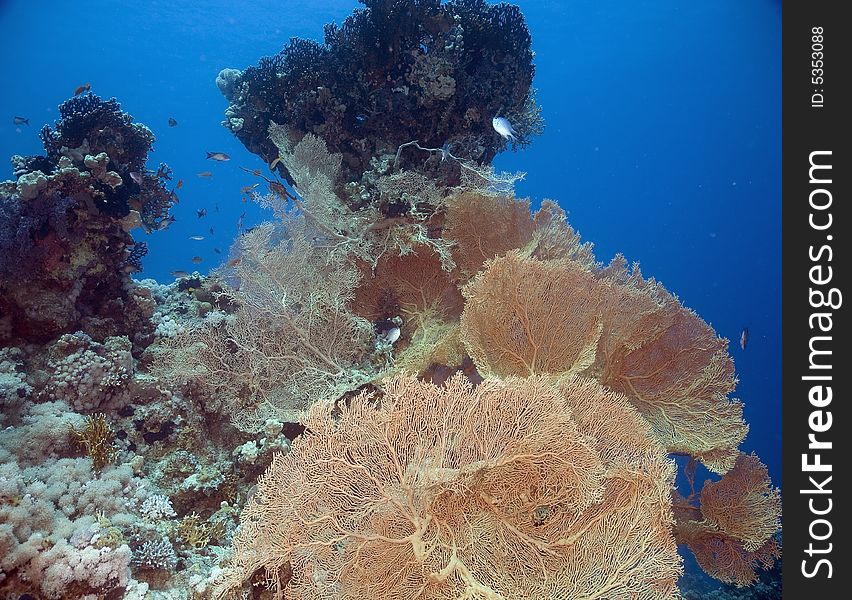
393,72
65,248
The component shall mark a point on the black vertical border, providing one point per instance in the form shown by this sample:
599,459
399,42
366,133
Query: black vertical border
807,129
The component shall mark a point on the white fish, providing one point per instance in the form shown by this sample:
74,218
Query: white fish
504,128
392,334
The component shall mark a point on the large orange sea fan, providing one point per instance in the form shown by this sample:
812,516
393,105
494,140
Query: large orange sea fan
519,489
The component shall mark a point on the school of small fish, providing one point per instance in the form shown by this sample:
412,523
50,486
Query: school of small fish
138,177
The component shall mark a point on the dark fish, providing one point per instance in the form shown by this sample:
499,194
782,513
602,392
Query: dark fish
216,207
211,231
174,197
248,189
21,121
180,274
196,238
197,260
172,122
201,212
166,222
220,156
83,88
744,338
217,251
137,177
205,174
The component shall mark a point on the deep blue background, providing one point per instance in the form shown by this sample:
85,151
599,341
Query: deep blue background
663,137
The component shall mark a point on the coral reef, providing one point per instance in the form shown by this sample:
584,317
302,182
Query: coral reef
408,385
575,503
393,72
66,253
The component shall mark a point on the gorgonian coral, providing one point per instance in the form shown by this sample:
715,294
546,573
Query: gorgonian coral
525,316
292,340
524,488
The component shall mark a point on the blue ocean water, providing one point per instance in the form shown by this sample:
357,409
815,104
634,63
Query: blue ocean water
662,140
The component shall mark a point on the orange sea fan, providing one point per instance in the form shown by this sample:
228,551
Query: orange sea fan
525,316
410,286
515,489
724,557
743,503
485,226
672,366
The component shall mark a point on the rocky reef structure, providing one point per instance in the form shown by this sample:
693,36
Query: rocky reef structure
455,275
409,384
66,253
394,72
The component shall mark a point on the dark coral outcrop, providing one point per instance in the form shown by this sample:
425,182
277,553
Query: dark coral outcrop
393,72
66,253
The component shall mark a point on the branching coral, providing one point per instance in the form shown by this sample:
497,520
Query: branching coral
97,438
443,492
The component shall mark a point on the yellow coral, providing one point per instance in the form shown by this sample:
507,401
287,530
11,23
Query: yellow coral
97,438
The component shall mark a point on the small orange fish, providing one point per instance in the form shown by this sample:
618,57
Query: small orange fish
179,184
83,88
220,156
234,262
247,189
205,174
197,260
